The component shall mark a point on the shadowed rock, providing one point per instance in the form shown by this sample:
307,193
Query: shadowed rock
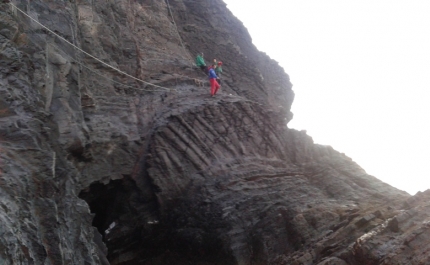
173,176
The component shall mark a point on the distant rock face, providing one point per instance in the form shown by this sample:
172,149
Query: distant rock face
100,168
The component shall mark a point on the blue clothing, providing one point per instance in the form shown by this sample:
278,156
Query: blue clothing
212,74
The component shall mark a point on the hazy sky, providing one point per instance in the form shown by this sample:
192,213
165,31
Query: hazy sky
361,74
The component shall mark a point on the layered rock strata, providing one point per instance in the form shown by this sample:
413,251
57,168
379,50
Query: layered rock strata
101,168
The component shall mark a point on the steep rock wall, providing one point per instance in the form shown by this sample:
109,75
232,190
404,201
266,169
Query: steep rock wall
166,176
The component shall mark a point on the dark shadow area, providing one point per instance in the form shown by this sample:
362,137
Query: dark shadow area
107,202
135,233
125,217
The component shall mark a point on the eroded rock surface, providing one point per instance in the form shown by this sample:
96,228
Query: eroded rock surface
99,168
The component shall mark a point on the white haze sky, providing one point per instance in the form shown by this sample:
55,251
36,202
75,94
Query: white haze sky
361,73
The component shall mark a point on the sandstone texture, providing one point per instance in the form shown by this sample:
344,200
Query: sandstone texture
97,167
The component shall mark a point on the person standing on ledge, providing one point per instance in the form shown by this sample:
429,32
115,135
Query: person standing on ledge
213,80
200,62
218,71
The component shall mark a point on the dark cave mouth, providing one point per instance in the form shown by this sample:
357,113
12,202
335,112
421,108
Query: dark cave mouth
105,202
123,217
134,234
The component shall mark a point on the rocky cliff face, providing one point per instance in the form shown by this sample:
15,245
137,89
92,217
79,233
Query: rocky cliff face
100,168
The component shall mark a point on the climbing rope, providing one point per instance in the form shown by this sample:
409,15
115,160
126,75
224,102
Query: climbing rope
176,27
101,75
86,53
72,59
177,32
198,81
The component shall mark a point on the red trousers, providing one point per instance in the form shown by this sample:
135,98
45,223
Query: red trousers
214,86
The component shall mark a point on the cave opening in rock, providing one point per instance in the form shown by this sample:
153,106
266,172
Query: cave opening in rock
106,203
133,231
126,219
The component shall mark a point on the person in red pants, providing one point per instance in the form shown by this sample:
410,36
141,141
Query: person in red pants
213,80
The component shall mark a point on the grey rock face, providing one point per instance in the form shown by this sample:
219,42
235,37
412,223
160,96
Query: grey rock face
170,176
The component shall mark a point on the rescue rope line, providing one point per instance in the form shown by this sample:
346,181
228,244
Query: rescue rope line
116,82
177,31
75,60
114,68
176,26
105,77
86,53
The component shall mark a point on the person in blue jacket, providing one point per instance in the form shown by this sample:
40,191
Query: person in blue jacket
213,80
